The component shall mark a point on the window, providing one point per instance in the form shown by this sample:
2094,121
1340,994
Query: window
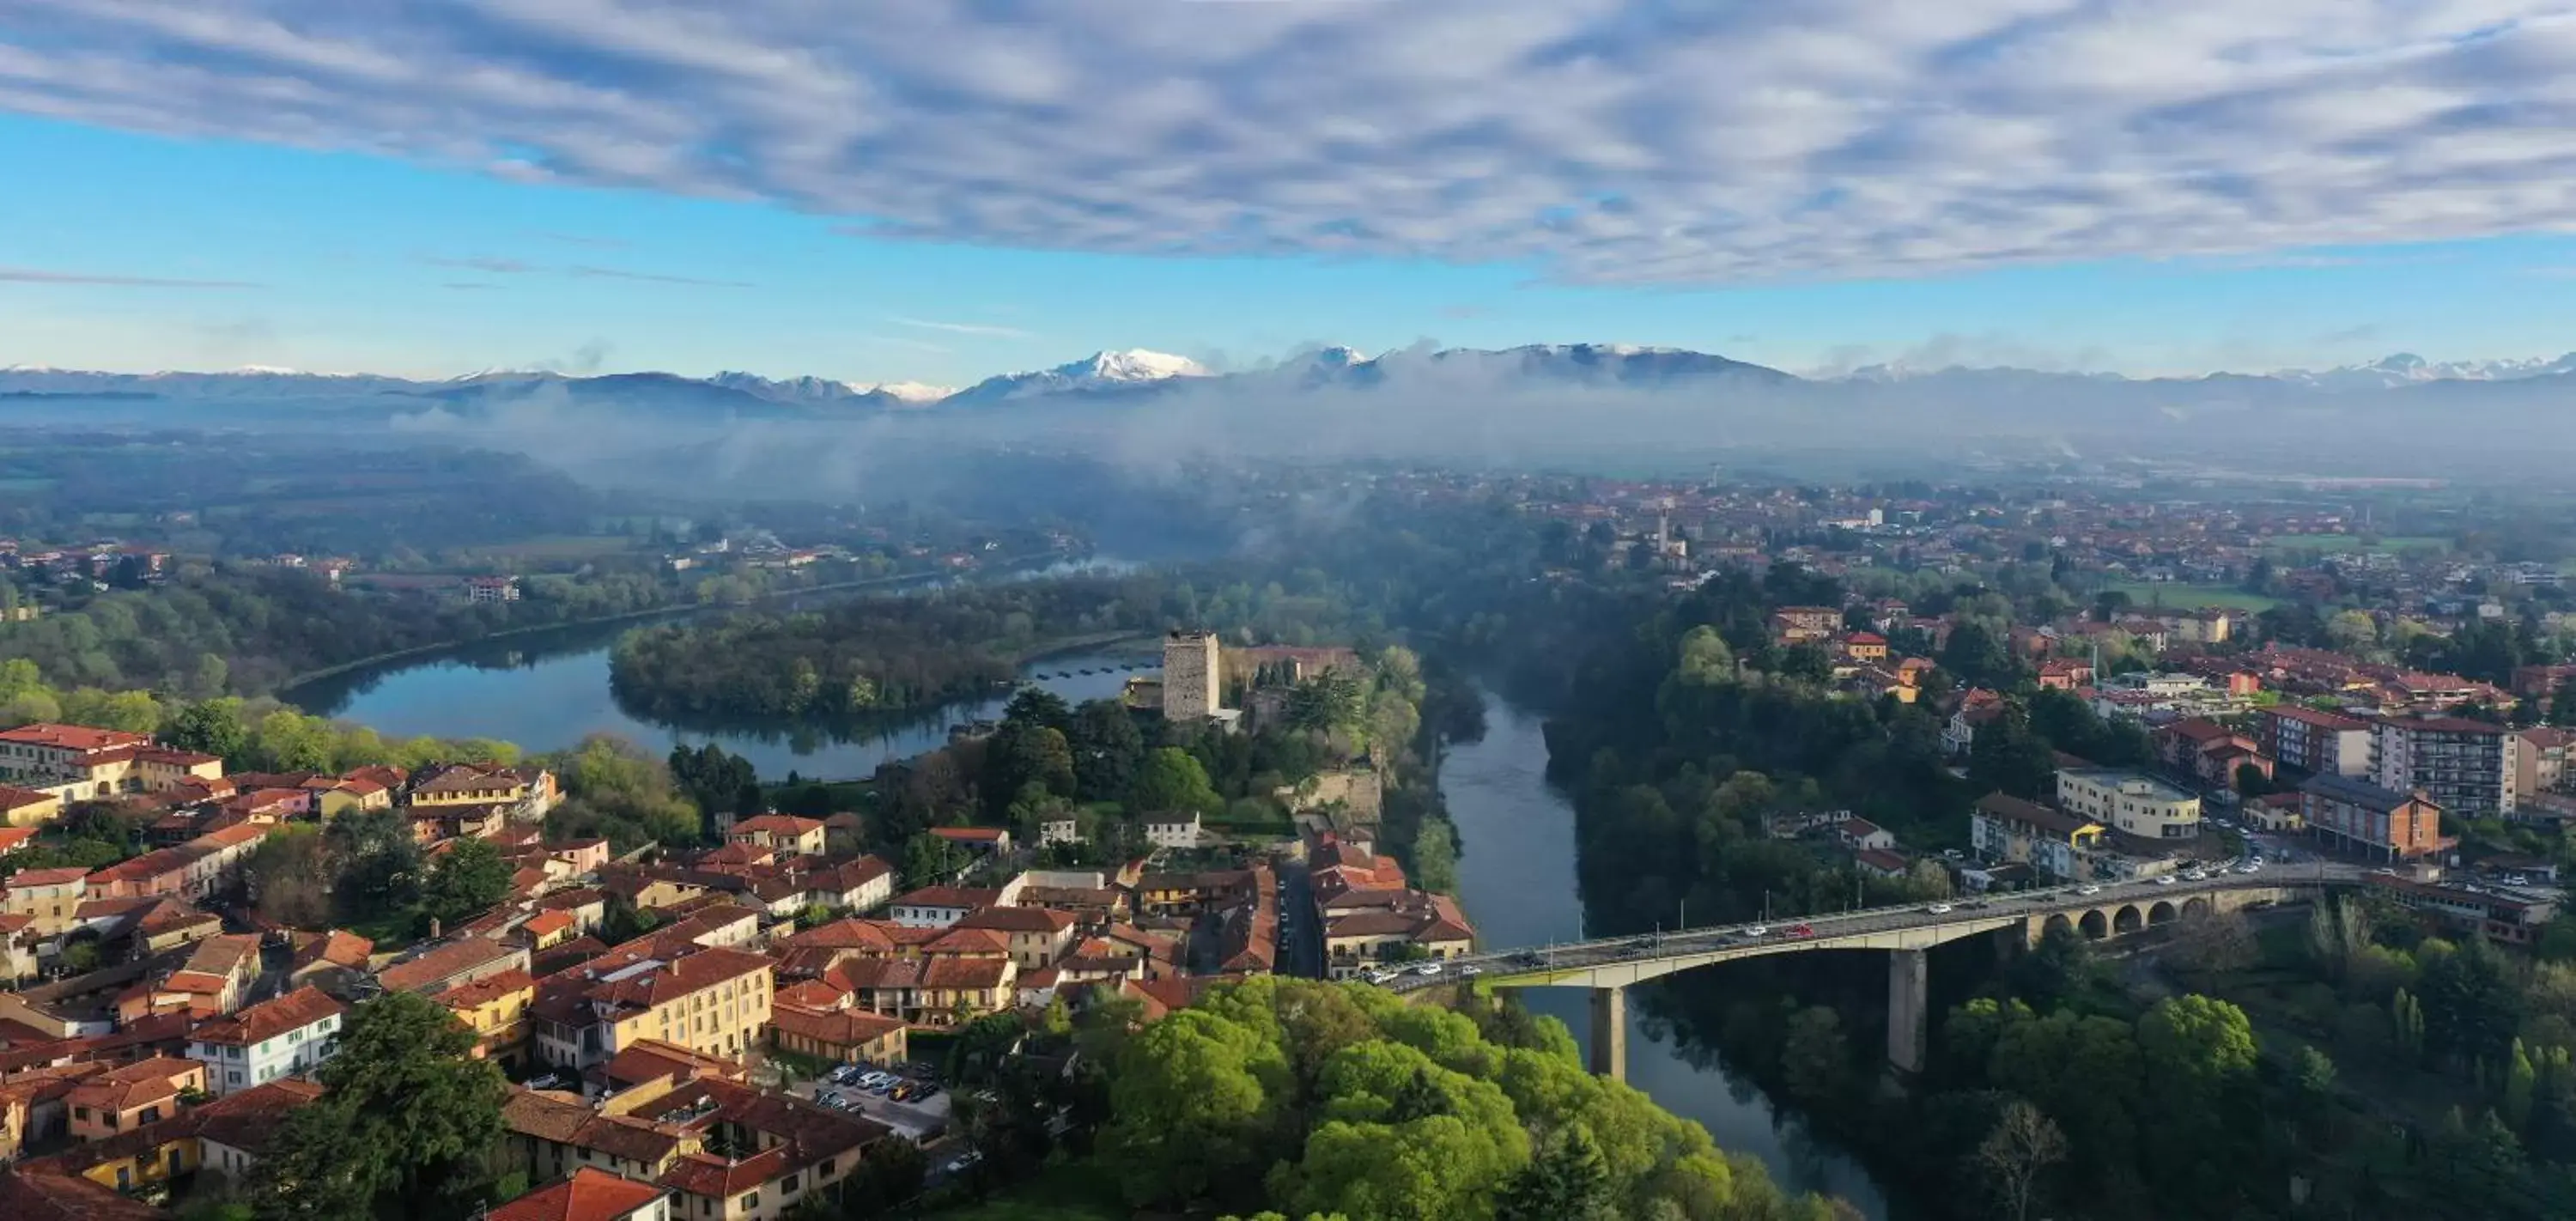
80,1112
751,1200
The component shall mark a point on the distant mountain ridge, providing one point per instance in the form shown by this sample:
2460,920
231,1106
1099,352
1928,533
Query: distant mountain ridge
1137,373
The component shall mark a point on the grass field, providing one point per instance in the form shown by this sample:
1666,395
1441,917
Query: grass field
2174,595
2336,544
1059,1193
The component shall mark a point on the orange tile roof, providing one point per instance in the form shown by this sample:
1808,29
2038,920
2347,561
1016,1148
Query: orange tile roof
271,1018
72,737
589,1195
13,798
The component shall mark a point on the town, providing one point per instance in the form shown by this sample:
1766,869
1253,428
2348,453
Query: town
158,1027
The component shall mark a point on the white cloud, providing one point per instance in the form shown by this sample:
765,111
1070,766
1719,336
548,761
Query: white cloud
963,328
1607,140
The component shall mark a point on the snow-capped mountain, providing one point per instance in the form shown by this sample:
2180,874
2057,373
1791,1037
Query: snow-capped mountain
1100,372
824,391
2407,369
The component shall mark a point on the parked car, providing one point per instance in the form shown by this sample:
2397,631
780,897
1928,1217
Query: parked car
1428,968
2088,890
1938,909
964,1162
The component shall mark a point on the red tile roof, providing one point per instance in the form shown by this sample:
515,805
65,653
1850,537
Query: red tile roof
269,1019
14,798
589,1195
72,737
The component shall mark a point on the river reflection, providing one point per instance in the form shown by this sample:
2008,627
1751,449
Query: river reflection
1516,877
548,690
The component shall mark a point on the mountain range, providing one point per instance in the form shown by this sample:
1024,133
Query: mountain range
1137,373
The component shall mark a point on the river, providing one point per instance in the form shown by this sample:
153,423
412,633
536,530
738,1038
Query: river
1516,879
548,690
1516,867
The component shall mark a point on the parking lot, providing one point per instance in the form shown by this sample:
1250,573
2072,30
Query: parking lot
920,1113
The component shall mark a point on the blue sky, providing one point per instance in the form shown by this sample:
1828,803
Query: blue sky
445,187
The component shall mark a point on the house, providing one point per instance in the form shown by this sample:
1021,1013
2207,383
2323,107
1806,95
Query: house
2356,813
2065,674
1862,835
841,1032
1173,830
2277,812
976,839
527,792
461,961
1037,936
726,1151
50,898
27,809
1065,830
1881,863
781,833
2209,752
133,1096
43,1194
286,1037
941,906
2004,828
1425,926
589,1195
496,1010
1802,624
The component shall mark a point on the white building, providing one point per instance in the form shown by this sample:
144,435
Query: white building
1173,830
2129,802
289,1036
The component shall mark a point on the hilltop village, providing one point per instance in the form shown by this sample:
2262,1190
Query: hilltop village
662,1010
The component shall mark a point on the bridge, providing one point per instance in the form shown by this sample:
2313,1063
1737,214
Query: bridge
2109,909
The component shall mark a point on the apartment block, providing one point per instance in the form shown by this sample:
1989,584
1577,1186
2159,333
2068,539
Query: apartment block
2466,767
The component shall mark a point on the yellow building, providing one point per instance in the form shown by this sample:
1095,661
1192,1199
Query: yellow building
469,784
133,1096
28,807
51,898
713,1001
785,834
496,1010
2131,803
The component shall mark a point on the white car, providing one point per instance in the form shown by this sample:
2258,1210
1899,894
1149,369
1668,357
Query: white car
1938,909
1375,977
1428,968
2196,875
2088,890
2164,879
1471,969
1758,930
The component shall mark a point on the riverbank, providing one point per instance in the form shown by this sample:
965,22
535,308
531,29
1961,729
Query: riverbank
673,608
1517,884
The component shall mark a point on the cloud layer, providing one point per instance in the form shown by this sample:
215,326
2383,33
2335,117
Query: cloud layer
1610,141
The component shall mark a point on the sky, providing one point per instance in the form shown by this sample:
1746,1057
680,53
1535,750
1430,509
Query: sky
940,190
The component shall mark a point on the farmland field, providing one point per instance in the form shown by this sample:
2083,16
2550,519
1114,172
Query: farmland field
2174,595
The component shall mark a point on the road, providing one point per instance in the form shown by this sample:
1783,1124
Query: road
1824,931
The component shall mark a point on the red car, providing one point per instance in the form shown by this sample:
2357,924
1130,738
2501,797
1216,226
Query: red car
1799,930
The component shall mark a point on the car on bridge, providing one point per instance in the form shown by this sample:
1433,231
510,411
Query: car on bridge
1799,930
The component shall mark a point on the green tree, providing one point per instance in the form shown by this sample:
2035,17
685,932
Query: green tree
1106,747
2006,757
465,881
1171,781
213,727
1020,754
1705,659
928,860
404,1125
1435,856
1566,1181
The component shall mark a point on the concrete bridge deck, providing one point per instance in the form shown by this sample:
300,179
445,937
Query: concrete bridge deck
2107,909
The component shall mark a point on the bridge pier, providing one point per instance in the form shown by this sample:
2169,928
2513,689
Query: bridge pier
1909,987
1610,1033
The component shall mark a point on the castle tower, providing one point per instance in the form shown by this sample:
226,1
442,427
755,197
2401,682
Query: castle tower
1190,676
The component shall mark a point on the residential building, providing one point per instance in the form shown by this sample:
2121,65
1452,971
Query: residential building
42,1194
132,1096
1862,835
461,961
1370,928
2006,828
78,763
777,1150
527,791
2209,753
712,1001
976,839
1172,830
496,1010
589,1195
2129,802
2357,813
781,833
50,898
2318,743
841,1032
2540,762
941,906
1037,936
2511,916
27,809
286,1037
2466,767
